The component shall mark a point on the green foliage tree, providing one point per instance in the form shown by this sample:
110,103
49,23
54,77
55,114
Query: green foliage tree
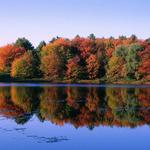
92,36
148,41
133,37
23,42
115,69
122,37
25,66
121,51
132,61
40,46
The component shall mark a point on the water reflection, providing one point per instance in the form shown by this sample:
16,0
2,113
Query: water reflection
78,106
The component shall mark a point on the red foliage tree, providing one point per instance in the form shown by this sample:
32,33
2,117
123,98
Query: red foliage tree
92,67
144,67
8,54
74,70
84,46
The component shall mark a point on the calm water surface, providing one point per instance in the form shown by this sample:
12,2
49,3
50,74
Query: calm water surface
71,117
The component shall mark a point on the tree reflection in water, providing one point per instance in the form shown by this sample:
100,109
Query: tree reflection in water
79,106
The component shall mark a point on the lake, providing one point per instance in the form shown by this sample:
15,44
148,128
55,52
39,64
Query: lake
72,116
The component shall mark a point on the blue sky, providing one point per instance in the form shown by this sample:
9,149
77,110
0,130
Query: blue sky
43,19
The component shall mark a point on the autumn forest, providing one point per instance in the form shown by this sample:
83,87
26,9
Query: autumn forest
88,59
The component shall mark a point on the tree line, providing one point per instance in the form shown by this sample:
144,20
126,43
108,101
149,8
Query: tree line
108,59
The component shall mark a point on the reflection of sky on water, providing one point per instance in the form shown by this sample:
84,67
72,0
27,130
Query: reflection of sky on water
37,135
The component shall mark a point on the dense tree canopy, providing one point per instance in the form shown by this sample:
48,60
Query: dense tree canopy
108,59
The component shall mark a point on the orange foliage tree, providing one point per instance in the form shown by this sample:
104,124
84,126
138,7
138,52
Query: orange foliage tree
92,67
8,54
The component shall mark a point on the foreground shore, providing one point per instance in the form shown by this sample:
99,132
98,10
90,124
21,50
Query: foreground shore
38,80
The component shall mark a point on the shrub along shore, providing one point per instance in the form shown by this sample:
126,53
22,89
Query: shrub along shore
123,60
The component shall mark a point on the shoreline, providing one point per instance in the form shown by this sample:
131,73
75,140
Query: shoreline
96,82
